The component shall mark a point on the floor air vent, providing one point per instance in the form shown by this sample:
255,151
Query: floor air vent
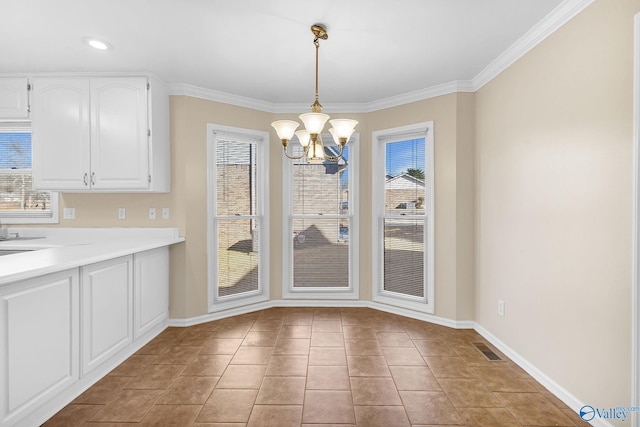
489,354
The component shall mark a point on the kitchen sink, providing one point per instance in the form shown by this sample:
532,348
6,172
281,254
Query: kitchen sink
12,251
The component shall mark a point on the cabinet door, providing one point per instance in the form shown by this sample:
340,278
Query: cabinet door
14,98
60,139
119,139
39,347
107,309
151,289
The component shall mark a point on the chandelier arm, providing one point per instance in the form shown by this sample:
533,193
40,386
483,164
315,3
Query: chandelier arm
284,150
335,159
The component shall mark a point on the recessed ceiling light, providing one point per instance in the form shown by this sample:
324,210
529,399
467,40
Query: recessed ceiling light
97,44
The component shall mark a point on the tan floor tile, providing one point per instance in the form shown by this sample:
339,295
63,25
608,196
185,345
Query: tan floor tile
327,339
394,339
295,346
252,356
401,356
321,406
328,378
469,393
295,331
133,366
195,338
188,391
429,407
435,348
298,319
327,356
215,425
177,356
156,377
242,376
334,326
328,313
73,415
207,365
221,346
233,331
267,325
367,391
368,366
387,326
482,417
103,391
228,406
363,348
416,378
502,378
171,415
545,413
381,416
359,332
287,365
449,367
156,346
575,418
128,406
214,325
261,339
275,416
281,391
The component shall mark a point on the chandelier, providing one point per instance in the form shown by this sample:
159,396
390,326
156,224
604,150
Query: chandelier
311,137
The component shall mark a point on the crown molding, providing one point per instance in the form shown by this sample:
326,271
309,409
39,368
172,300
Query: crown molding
543,29
226,98
420,95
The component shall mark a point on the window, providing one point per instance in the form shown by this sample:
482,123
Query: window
320,202
403,217
237,235
19,203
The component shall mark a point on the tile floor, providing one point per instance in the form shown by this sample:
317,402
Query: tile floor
307,367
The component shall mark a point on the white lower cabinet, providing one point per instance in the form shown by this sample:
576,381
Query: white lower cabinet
107,310
39,349
151,289
61,332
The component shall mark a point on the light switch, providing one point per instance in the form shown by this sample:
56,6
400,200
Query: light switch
122,213
152,213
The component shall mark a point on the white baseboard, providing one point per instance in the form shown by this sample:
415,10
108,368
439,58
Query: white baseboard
561,393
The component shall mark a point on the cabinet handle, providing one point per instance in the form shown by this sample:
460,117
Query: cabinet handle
85,180
93,178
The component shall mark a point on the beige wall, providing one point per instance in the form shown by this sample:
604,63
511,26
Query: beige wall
454,196
554,192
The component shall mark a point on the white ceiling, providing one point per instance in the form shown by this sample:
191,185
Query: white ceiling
262,49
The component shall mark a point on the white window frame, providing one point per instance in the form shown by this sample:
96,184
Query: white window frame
29,217
330,293
216,303
379,140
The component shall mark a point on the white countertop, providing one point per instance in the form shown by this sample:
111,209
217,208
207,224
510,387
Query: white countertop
64,248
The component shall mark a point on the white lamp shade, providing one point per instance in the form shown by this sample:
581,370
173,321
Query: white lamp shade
285,128
303,137
334,134
314,122
343,128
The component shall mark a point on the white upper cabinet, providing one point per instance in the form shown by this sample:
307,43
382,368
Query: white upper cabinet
96,134
61,133
119,147
14,98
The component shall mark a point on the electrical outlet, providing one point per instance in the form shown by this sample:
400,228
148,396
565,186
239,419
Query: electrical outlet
69,213
501,307
152,213
165,213
122,213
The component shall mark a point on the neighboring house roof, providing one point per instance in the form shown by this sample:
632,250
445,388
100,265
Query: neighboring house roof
403,181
